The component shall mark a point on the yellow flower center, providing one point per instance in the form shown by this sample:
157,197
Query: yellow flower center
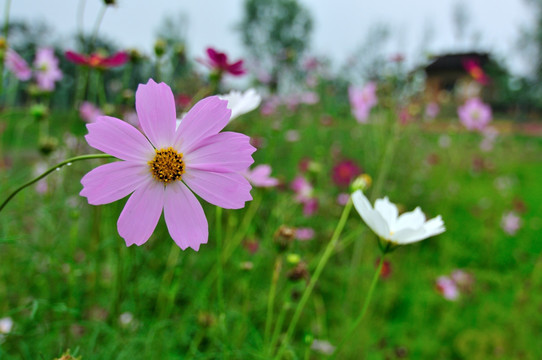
167,165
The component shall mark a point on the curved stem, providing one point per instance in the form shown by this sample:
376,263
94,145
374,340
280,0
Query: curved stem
97,25
50,170
271,297
363,309
319,268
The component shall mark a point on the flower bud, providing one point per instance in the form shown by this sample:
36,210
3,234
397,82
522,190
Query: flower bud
39,112
362,182
283,237
47,145
159,48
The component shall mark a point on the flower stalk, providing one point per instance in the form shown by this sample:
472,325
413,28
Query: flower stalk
50,170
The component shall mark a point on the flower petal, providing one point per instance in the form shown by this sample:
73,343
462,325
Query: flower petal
184,216
141,213
113,181
115,60
120,139
76,58
223,152
372,218
432,227
206,118
388,211
155,107
227,190
410,220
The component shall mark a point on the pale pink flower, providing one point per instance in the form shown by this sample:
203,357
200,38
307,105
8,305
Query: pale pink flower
292,135
47,71
304,194
89,112
447,288
304,234
260,176
490,135
362,101
342,198
310,206
474,114
132,119
431,110
162,166
6,324
510,223
270,105
17,65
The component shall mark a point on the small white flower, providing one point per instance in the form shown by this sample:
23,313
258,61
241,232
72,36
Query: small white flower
241,103
322,346
5,325
385,221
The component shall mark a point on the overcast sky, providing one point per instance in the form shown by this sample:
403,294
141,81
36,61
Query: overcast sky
340,25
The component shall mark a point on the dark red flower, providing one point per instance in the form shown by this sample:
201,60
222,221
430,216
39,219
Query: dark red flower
344,172
183,100
219,61
385,272
97,60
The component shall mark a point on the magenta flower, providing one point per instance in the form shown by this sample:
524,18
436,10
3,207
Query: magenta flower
260,176
17,65
162,166
431,110
47,71
304,234
474,114
344,172
218,61
89,112
304,194
97,60
472,66
362,101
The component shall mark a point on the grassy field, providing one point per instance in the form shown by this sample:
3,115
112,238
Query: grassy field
69,282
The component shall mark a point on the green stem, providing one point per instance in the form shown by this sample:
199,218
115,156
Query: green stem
6,30
319,268
271,298
97,24
220,278
386,162
363,309
50,170
80,16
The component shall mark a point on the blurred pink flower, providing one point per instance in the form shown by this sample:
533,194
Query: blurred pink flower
474,114
342,198
17,65
47,71
131,118
304,234
510,223
304,194
431,110
162,167
490,135
362,101
270,105
447,288
260,176
218,61
472,66
89,112
292,135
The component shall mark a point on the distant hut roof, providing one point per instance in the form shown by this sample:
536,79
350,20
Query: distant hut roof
454,62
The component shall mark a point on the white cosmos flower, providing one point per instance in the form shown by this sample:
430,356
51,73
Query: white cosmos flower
385,221
240,103
5,325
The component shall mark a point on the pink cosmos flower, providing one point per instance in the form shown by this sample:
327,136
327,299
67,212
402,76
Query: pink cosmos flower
89,112
342,198
362,101
474,114
510,223
304,234
305,195
490,135
431,110
162,166
218,61
260,176
97,60
447,288
472,66
47,71
17,65
344,172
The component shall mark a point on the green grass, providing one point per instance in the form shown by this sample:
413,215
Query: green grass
66,275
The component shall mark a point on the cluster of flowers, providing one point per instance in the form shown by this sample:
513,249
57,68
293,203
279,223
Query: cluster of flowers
45,68
457,283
